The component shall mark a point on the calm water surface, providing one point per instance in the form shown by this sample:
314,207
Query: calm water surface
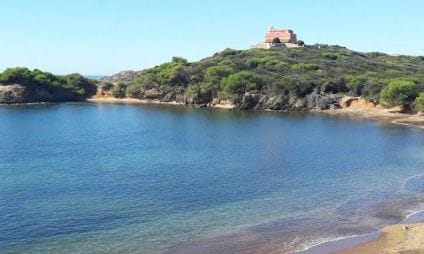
90,178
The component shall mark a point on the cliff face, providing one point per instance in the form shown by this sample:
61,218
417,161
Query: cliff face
13,94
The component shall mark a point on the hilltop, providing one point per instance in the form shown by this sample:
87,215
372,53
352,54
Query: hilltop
302,78
283,78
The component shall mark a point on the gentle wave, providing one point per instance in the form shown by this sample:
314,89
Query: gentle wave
324,245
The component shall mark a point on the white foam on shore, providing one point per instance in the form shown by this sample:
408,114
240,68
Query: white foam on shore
409,217
338,243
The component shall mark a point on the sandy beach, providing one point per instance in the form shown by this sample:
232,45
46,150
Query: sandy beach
104,99
401,238
129,101
382,115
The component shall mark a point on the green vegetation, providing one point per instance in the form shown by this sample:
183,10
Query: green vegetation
119,90
419,102
241,82
44,86
395,80
399,92
292,73
107,86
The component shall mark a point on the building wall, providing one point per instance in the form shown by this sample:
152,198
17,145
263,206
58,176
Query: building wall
285,35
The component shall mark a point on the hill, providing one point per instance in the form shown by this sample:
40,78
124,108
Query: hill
21,85
281,79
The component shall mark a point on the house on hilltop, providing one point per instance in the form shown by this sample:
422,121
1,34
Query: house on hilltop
282,35
279,38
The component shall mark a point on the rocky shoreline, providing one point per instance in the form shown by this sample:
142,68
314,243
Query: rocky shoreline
355,108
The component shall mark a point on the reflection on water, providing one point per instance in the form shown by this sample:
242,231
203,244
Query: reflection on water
174,179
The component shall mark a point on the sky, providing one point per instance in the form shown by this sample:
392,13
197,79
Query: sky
102,37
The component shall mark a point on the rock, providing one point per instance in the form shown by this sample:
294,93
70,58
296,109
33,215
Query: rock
123,76
345,101
363,103
152,94
169,97
13,94
321,101
397,109
248,101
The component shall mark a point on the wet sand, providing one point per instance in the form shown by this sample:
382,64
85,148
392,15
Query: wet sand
401,238
382,115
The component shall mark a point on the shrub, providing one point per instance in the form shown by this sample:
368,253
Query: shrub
330,56
241,82
134,89
305,67
215,74
399,93
180,60
371,90
107,86
119,90
334,86
355,84
419,102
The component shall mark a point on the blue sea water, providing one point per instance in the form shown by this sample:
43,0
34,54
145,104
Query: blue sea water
110,178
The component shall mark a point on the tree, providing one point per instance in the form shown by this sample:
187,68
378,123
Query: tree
241,82
399,93
134,89
419,102
181,60
119,90
80,85
107,86
16,75
215,74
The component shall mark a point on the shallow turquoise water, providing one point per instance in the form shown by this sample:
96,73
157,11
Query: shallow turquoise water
89,178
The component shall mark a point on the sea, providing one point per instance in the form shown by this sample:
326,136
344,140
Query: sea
126,178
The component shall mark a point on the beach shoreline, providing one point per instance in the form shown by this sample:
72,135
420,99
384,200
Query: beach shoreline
376,114
399,238
407,236
380,115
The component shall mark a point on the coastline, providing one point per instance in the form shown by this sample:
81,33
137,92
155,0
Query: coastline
376,114
226,106
381,115
399,238
407,236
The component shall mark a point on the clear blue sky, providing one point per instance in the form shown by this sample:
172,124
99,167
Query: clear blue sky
107,36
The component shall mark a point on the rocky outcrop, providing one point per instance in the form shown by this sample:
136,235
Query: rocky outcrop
123,76
357,102
13,94
17,93
313,101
